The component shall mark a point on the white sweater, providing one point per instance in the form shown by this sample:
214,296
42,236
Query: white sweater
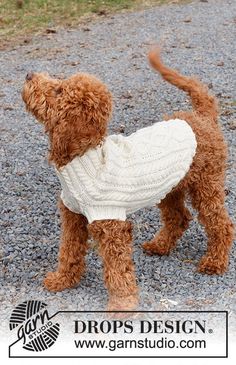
125,174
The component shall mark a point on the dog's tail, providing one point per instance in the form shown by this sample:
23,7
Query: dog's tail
203,103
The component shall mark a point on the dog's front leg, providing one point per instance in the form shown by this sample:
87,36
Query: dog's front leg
72,251
115,247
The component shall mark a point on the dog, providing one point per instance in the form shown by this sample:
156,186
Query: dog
103,177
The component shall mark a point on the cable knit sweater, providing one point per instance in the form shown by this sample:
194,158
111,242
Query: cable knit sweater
125,174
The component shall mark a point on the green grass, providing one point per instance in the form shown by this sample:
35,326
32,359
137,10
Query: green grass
21,18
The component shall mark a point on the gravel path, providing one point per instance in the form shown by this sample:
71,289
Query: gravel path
197,38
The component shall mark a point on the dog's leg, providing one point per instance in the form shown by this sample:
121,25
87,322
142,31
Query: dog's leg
115,247
72,252
209,201
175,218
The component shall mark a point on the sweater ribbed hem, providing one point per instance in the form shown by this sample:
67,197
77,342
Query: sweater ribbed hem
104,212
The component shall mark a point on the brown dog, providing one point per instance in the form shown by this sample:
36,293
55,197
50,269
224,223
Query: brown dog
75,113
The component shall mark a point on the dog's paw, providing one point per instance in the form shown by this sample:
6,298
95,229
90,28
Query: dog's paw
56,281
156,247
209,265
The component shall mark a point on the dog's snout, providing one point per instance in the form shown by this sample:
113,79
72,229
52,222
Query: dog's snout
29,76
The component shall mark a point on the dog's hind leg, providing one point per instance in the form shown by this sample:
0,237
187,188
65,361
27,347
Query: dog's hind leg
72,251
208,199
175,218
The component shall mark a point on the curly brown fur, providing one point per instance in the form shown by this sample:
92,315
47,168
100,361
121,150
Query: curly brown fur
115,240
174,214
75,113
72,252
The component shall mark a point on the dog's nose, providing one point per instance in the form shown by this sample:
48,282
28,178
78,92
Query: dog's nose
29,76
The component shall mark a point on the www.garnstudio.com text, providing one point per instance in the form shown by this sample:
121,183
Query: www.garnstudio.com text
162,343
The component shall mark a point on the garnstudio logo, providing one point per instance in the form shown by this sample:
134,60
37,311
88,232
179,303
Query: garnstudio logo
34,325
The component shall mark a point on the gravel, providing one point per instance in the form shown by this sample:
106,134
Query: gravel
197,38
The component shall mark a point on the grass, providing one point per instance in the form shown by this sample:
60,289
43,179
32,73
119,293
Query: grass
21,18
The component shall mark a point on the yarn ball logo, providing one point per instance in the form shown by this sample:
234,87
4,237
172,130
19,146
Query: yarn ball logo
34,325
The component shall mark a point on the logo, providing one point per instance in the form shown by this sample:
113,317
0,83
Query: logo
34,326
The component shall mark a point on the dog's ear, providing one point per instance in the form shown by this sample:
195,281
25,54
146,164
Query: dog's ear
84,110
74,134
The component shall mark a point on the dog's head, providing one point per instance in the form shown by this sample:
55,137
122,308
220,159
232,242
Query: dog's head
75,111
40,94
